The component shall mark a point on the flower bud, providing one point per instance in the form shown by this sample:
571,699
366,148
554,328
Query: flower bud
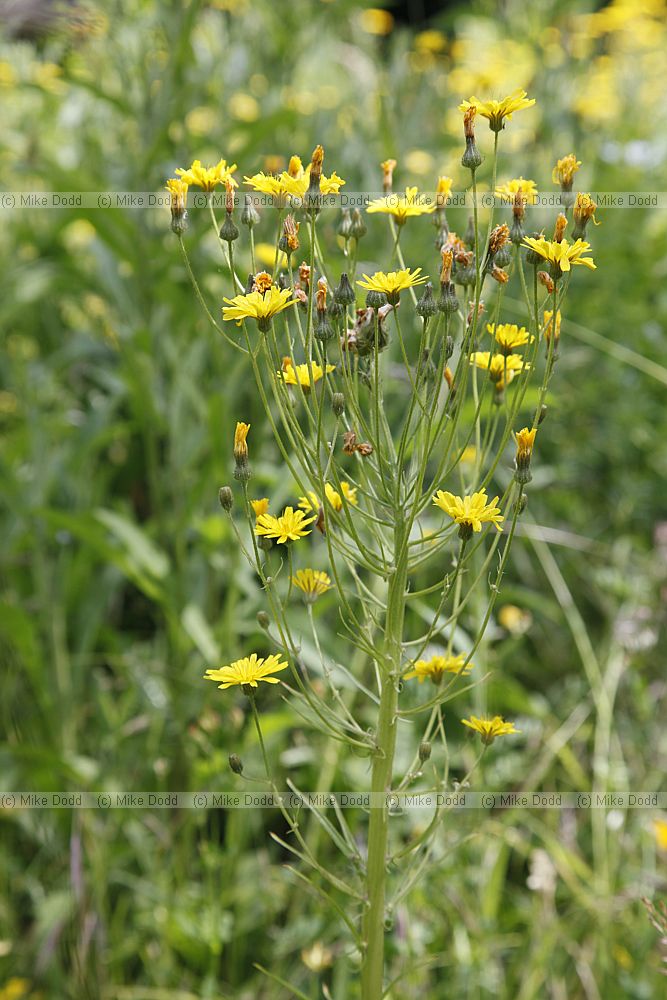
426,304
263,620
424,751
345,225
359,227
375,300
226,498
343,292
447,301
584,211
236,763
228,230
472,157
249,214
525,439
338,403
532,258
178,194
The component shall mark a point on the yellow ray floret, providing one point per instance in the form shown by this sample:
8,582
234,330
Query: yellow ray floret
392,282
402,206
301,374
564,255
250,670
497,111
490,728
313,583
471,511
502,368
435,668
208,177
289,527
257,305
509,335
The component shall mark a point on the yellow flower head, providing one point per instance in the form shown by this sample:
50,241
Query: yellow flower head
289,527
509,190
260,506
240,442
562,255
443,189
469,512
548,325
311,500
301,374
392,283
525,439
262,306
208,178
388,167
401,206
502,368
660,831
313,583
583,212
508,336
294,182
295,168
178,189
488,729
497,111
435,668
248,671
564,171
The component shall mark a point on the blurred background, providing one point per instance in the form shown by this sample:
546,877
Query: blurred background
121,581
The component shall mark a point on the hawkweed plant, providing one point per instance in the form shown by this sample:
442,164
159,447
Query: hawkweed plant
379,501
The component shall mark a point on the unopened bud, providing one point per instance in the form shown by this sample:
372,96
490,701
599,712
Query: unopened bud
447,301
542,414
249,214
236,763
229,230
226,498
426,304
263,620
424,751
343,292
345,225
359,227
338,404
375,300
560,227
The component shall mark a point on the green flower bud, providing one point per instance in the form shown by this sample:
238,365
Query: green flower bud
249,214
226,498
236,763
263,620
359,228
426,304
343,292
228,230
338,403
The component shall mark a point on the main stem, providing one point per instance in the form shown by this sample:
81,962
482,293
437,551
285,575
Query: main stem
376,869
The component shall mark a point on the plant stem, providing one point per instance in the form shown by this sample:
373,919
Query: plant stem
376,870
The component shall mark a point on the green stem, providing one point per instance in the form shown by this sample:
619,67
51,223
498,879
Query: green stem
376,872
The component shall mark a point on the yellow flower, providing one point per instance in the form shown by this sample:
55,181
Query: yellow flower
293,182
469,512
490,728
248,671
313,583
525,439
401,206
509,189
515,620
260,506
583,212
437,666
501,367
548,325
289,527
497,111
240,442
311,501
208,177
178,189
277,186
443,189
509,335
660,831
300,374
564,171
562,255
262,306
392,283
